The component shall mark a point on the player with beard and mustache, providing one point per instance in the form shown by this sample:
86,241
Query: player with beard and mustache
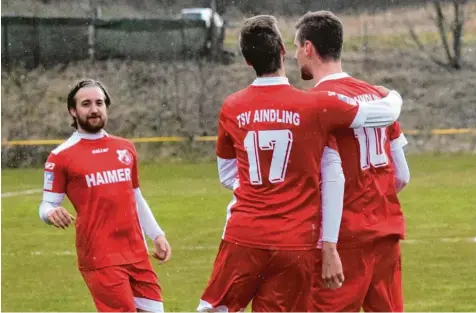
99,175
361,192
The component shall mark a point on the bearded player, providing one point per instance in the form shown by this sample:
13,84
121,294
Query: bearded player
271,138
375,170
99,175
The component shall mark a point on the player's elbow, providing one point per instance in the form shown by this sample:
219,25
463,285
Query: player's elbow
396,105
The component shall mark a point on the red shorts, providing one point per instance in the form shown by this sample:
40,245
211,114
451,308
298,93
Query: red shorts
274,280
125,288
373,280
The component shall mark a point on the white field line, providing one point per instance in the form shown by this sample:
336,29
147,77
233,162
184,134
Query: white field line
20,193
212,247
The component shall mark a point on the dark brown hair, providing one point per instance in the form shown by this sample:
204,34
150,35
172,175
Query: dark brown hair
324,30
85,83
261,44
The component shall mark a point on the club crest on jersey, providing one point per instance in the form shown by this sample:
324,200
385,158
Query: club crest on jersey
49,166
124,156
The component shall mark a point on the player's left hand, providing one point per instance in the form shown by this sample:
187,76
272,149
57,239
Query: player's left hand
163,251
332,272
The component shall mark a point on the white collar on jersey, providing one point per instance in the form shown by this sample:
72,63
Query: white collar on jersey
270,81
333,77
98,135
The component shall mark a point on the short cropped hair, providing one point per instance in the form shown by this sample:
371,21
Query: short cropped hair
325,31
261,44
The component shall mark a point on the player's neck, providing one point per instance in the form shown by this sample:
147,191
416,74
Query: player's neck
88,135
326,69
278,73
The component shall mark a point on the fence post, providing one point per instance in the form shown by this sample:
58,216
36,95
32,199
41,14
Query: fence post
95,15
37,52
214,32
6,53
184,45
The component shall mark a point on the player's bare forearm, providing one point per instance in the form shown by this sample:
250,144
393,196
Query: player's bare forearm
332,272
329,246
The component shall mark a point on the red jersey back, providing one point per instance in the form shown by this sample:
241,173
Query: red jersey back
371,205
99,177
277,134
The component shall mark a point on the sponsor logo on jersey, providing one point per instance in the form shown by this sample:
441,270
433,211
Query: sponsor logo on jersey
108,177
49,166
124,156
101,150
48,182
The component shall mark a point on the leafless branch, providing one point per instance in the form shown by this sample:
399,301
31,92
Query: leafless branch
440,23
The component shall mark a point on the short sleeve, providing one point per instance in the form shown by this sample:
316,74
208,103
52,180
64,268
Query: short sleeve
135,168
332,143
224,145
395,134
55,178
337,110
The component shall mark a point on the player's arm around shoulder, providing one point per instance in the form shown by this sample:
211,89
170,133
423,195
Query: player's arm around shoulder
341,111
54,187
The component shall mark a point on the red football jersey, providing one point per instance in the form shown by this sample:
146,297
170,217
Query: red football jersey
371,205
99,177
277,134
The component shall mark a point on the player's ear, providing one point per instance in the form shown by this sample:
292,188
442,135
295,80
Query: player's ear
248,62
72,112
283,49
308,48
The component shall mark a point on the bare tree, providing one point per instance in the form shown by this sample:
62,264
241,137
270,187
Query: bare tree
452,51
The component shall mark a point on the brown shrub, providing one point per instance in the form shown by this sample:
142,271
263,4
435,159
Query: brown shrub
166,99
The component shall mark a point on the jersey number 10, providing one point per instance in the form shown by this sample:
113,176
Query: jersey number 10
280,141
372,147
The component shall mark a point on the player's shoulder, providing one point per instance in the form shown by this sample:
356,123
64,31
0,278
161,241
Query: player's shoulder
362,85
69,143
119,139
237,96
347,85
124,142
323,96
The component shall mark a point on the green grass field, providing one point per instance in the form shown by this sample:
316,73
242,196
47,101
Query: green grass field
39,264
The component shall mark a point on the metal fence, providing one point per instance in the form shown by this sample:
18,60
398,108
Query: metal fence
34,41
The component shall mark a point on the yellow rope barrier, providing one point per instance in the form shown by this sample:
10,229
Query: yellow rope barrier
44,142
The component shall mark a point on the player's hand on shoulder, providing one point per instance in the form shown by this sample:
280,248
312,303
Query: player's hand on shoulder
163,251
383,90
332,272
60,217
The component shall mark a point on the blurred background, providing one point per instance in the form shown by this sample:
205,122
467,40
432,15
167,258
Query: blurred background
168,65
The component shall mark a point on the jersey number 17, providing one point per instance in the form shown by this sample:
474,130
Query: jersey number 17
280,141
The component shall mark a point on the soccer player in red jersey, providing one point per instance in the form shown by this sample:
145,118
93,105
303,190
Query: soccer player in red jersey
99,174
271,137
375,169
